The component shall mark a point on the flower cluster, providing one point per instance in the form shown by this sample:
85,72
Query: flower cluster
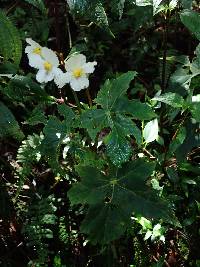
47,63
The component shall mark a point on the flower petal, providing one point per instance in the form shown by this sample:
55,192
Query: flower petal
49,76
57,71
28,49
35,61
40,76
43,76
89,67
61,78
75,61
50,56
32,42
79,84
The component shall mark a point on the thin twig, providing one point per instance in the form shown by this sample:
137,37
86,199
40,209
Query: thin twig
148,153
12,7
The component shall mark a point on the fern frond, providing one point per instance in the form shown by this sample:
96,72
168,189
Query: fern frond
28,154
168,70
37,227
63,233
10,42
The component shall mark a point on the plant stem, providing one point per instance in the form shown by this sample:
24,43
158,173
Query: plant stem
164,82
77,101
68,31
89,97
57,26
165,35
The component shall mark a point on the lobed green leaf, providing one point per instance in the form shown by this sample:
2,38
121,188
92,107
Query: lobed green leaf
113,197
114,89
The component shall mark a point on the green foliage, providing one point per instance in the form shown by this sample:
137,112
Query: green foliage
32,20
171,99
157,5
191,20
57,262
23,89
121,4
54,133
118,146
191,140
113,179
186,3
111,92
150,231
136,109
112,198
63,233
195,109
37,116
28,154
37,227
38,4
116,113
10,42
92,10
9,127
154,3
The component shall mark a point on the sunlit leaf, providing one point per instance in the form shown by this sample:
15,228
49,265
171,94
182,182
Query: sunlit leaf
172,99
112,90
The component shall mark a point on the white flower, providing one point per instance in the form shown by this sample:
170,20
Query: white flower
33,47
61,78
47,65
43,59
77,72
33,50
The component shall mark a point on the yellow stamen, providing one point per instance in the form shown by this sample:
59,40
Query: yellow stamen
77,73
37,51
47,66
